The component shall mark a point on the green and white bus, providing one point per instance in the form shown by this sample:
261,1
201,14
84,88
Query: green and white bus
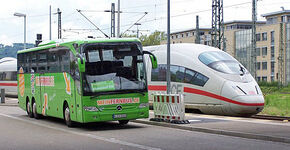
85,80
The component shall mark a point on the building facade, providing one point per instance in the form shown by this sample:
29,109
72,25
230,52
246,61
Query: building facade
272,46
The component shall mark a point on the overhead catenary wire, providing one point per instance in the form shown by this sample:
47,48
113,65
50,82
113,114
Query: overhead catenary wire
92,23
134,23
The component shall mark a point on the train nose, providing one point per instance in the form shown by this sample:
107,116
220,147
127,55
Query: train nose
248,104
245,98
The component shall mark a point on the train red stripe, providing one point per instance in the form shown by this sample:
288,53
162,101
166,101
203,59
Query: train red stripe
204,93
8,84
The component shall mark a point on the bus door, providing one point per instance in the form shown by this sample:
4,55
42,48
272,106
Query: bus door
43,81
35,82
77,91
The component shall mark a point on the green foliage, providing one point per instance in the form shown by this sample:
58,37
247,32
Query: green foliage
11,51
153,39
277,100
268,84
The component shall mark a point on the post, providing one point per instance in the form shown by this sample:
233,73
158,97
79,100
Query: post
197,35
168,48
253,58
24,32
49,22
59,23
118,29
113,20
2,95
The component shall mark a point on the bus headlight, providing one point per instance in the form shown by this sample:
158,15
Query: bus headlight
89,108
143,105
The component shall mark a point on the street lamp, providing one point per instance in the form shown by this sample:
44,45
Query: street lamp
22,15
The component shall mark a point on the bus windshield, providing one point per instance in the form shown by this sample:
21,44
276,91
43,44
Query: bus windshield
113,67
222,62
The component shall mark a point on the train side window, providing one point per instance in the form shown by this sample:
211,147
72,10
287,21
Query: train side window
159,74
177,73
173,72
199,79
189,74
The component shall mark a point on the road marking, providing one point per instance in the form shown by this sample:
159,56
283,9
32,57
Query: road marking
111,140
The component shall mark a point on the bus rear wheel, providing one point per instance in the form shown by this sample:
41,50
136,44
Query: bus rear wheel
28,109
34,111
66,115
123,122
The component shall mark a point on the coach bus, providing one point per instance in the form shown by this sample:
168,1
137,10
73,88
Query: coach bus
84,80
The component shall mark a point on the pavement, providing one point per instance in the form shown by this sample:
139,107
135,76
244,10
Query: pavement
267,130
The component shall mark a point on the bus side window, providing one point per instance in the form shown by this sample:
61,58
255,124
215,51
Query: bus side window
53,62
64,60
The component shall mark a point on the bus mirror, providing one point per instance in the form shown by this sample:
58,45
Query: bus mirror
153,61
81,64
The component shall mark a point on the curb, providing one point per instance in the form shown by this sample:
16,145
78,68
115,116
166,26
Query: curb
219,132
14,105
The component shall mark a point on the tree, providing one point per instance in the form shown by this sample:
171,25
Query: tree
153,39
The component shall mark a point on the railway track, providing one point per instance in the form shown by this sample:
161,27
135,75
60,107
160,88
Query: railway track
268,117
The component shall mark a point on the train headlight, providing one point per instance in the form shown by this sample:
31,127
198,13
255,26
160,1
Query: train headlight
239,91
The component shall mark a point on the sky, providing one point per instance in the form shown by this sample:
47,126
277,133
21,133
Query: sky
74,25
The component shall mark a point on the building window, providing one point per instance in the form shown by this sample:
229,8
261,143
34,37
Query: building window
264,36
258,79
272,53
176,36
272,68
258,65
258,51
172,37
192,33
264,65
272,78
258,37
264,51
186,34
272,38
264,78
182,35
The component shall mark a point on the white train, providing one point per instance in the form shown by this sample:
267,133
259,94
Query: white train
211,80
8,75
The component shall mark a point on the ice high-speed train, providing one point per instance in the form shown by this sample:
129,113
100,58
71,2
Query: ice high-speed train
8,75
211,80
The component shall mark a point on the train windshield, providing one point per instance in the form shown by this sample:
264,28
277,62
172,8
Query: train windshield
222,62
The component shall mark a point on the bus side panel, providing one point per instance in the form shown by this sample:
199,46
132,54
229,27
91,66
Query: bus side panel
21,99
36,91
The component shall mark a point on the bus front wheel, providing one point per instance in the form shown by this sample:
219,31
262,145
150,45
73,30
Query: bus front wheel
67,118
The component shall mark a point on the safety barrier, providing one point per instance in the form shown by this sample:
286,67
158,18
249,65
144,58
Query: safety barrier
169,107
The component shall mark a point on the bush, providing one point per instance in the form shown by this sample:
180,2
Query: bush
268,84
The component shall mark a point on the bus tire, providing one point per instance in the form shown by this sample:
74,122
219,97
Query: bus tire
123,122
66,116
28,108
34,110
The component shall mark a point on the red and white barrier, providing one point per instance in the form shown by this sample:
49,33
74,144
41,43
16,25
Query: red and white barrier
169,107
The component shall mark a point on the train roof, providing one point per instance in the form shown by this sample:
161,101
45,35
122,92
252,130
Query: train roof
8,64
187,49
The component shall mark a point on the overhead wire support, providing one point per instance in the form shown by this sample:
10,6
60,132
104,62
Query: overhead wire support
92,23
145,13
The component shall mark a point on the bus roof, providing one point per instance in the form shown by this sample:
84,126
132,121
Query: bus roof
51,44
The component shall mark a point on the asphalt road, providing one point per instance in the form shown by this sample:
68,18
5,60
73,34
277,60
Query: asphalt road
17,131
